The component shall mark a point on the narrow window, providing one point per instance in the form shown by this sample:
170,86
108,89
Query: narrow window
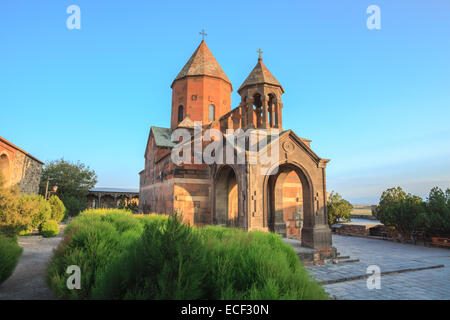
212,112
180,114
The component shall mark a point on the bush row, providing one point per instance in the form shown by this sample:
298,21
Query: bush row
409,213
25,213
9,255
122,256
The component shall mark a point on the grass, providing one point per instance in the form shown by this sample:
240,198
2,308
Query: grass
10,252
125,256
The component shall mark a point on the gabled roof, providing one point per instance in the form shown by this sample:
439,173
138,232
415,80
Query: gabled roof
186,123
162,137
260,75
202,63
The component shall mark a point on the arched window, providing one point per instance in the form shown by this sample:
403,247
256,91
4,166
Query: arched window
180,113
5,168
212,112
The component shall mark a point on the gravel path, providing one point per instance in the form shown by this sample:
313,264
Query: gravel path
28,280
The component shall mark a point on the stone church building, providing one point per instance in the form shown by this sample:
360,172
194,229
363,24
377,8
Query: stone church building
18,167
290,200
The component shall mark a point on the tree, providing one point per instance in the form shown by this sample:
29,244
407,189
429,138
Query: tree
405,212
338,209
73,181
438,211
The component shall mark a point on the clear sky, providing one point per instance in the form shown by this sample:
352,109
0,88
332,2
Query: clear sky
376,102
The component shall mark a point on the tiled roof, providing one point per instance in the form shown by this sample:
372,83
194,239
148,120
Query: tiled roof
260,75
186,123
202,63
116,190
19,149
162,137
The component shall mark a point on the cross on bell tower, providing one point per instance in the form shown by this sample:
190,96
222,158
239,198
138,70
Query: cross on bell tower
203,34
259,51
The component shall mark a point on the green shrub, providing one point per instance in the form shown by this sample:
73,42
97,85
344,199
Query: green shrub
9,256
165,264
35,207
11,222
122,256
49,229
74,205
58,209
91,241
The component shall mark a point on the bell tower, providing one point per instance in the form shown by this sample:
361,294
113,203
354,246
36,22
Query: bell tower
201,91
261,99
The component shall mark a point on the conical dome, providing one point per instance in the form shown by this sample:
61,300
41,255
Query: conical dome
202,63
260,75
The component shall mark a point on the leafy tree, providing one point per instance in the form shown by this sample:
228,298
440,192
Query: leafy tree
388,198
438,211
73,181
338,208
405,212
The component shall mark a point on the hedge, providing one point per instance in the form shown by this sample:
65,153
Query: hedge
122,256
9,256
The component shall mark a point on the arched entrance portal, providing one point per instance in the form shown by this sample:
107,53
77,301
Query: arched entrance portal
5,168
289,195
226,198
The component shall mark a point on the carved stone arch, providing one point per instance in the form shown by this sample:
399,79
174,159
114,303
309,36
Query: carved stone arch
272,192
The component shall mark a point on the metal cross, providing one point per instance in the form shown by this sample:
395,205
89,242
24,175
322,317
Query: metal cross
259,51
203,34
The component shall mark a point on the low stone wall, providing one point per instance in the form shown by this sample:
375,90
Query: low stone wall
353,229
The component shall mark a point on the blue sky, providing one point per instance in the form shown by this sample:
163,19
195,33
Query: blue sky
376,102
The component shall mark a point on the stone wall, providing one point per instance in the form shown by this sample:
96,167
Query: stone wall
19,168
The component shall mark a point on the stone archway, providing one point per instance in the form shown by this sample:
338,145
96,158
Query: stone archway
226,200
289,201
5,168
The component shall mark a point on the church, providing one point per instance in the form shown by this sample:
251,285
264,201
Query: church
288,199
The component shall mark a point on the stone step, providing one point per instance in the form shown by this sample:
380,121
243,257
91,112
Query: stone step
346,261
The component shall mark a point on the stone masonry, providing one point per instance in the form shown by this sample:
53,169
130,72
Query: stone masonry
289,198
19,167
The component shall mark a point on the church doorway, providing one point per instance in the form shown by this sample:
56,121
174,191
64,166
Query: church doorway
226,198
288,211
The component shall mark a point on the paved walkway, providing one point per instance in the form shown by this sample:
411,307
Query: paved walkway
28,279
389,256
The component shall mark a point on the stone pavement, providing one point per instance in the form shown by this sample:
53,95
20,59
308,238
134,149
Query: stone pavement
28,279
389,256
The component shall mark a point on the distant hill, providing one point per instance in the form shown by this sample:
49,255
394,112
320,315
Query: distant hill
362,209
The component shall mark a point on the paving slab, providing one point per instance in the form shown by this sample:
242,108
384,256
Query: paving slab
389,257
